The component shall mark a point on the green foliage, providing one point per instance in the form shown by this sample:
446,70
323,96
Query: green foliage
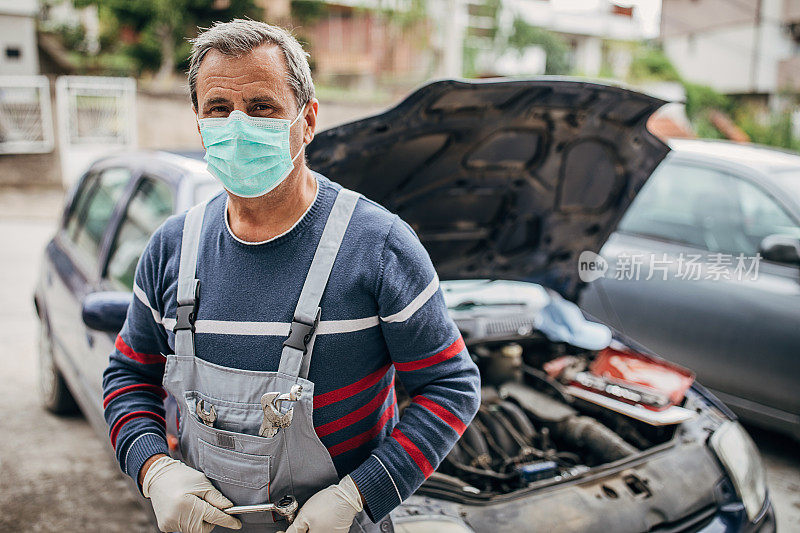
702,98
413,12
72,37
308,12
524,35
773,130
651,63
159,27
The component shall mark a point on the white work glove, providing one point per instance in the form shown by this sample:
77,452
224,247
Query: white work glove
184,499
331,509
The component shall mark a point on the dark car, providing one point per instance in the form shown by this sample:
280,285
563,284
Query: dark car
724,206
504,182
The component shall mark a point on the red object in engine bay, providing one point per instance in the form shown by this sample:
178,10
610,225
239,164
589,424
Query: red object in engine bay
661,377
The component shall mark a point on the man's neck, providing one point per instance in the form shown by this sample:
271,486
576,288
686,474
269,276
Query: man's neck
262,218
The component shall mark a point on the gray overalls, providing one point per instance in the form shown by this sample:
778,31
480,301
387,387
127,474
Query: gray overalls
221,412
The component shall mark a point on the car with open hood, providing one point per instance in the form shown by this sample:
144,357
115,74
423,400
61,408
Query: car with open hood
507,183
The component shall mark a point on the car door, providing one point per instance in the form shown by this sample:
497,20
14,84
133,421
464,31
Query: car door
690,227
76,256
150,203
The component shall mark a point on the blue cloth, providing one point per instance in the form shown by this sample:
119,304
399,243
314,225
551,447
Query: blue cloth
562,321
383,316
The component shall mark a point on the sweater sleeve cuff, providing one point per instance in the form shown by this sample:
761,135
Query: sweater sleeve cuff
377,486
141,449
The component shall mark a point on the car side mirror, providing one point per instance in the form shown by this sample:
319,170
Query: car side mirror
781,249
106,311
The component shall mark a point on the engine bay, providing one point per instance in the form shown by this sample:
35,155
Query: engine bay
532,427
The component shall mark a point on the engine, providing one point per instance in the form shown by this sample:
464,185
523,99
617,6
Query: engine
530,429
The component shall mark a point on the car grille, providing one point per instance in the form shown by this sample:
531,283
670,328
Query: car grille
510,326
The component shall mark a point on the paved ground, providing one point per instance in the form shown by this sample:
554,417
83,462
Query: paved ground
54,474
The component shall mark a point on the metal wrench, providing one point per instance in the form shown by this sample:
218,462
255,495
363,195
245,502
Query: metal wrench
286,507
274,417
208,417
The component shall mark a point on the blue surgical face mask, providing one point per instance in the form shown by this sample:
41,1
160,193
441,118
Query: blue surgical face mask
249,155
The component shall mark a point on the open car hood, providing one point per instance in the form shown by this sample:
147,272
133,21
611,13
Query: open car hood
508,179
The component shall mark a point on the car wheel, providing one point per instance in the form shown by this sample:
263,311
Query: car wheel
56,397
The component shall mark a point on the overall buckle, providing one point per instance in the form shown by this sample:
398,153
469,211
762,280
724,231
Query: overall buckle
300,333
186,314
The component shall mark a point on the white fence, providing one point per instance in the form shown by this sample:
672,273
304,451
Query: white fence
96,116
26,121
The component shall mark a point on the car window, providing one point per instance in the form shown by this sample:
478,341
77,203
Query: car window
678,202
705,208
94,208
79,203
762,216
150,205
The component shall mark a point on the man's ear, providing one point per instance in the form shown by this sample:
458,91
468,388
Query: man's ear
312,108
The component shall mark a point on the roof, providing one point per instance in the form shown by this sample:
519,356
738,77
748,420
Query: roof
762,158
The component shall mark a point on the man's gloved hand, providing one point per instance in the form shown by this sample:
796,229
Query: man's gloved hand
331,509
184,499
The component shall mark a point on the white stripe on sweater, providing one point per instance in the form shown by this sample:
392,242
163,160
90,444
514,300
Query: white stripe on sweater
278,329
421,299
142,296
230,327
390,477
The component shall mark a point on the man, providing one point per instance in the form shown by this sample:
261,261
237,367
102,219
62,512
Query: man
243,290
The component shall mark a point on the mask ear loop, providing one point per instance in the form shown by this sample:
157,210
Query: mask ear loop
300,114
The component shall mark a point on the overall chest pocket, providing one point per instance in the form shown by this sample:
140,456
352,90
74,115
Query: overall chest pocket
238,417
243,478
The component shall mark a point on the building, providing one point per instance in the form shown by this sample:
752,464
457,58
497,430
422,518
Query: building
738,47
18,52
360,44
599,35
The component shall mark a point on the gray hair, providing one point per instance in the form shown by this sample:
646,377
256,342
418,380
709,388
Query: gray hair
241,36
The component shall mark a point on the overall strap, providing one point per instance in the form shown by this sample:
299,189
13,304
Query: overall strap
297,348
188,284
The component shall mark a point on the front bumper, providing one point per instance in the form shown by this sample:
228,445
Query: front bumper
677,487
728,518
732,518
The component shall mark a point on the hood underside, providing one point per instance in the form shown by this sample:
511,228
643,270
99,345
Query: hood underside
508,179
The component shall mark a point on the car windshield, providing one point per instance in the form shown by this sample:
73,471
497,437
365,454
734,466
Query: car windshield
789,180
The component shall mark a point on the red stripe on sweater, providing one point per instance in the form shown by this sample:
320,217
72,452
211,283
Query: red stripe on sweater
449,352
144,358
145,387
449,418
132,416
354,416
363,438
350,390
414,452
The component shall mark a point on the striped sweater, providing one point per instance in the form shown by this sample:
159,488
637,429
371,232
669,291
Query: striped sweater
383,317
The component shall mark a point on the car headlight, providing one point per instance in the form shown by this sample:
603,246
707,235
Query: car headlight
428,524
740,457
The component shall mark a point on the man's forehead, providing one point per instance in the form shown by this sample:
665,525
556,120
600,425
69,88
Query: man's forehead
262,68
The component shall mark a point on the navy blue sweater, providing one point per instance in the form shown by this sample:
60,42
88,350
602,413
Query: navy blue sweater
383,316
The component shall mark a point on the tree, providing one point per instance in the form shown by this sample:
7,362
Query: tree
555,47
156,30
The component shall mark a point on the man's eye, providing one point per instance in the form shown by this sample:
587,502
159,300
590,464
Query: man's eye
219,109
262,107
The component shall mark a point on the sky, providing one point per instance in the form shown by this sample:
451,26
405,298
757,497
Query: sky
648,10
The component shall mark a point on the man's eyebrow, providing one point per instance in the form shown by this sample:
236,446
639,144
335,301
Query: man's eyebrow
262,99
216,100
